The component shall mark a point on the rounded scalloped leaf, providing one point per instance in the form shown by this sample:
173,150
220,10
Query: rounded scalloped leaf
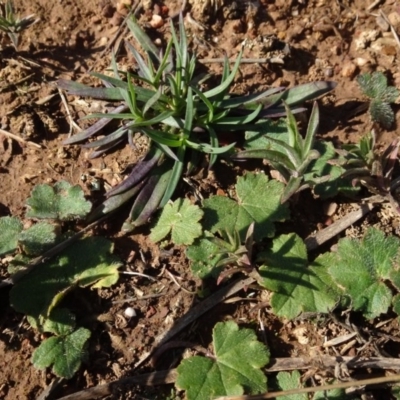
10,229
61,202
235,369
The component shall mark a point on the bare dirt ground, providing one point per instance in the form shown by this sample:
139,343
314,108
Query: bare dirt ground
326,40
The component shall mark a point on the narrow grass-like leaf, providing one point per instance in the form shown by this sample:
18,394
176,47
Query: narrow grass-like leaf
144,40
152,101
80,89
114,202
146,71
148,200
273,156
311,130
141,169
241,120
210,107
214,142
175,176
189,114
237,101
95,128
164,66
104,149
301,93
162,137
291,188
227,82
295,140
112,137
206,148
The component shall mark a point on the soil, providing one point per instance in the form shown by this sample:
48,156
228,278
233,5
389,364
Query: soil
318,40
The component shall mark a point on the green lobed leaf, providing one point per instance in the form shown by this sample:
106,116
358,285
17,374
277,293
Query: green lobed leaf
10,229
297,285
234,370
289,381
258,201
38,238
181,219
87,262
61,202
204,256
60,322
65,352
362,266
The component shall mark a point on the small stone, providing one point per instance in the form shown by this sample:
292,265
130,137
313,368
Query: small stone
328,72
382,23
130,312
330,208
394,18
361,61
123,6
156,21
348,69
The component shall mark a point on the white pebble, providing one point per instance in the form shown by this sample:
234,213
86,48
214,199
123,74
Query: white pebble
130,312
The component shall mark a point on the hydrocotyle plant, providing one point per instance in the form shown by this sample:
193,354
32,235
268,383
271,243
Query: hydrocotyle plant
165,101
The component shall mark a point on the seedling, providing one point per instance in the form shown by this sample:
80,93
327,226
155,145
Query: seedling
292,158
166,102
11,24
375,87
373,170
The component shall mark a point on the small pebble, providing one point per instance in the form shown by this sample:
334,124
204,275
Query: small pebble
330,208
348,69
156,21
394,18
130,312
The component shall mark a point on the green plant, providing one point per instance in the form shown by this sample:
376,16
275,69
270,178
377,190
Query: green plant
166,103
181,220
231,226
366,166
11,24
233,369
291,158
38,292
375,87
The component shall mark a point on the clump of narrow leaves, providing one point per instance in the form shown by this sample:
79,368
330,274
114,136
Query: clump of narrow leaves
11,24
291,158
376,88
166,101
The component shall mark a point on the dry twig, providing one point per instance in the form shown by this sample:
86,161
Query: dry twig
19,139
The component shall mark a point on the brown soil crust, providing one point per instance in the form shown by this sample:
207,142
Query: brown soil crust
325,40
